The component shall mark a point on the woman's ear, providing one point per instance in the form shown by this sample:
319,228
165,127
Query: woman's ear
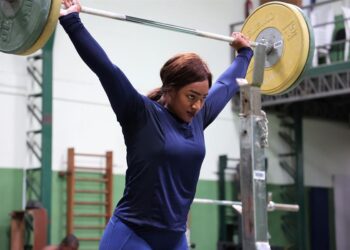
167,97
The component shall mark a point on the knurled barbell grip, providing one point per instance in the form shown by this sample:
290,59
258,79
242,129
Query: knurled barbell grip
122,17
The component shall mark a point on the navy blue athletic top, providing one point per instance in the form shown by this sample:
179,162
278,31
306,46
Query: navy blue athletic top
164,154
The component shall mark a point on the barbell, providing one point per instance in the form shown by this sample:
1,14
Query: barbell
271,206
26,25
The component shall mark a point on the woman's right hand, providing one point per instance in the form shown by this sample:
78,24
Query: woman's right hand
70,6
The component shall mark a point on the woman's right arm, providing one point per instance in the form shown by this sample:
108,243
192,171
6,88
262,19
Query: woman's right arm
124,99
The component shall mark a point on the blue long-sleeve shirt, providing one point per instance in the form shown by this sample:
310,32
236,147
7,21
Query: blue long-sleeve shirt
164,155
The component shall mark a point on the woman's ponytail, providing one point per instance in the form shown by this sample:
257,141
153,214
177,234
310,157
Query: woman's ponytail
155,94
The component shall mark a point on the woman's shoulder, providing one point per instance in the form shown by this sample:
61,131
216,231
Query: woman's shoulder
153,105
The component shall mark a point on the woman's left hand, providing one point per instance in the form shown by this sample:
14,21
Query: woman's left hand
240,41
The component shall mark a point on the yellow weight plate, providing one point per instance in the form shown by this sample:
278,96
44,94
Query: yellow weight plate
311,52
292,26
48,29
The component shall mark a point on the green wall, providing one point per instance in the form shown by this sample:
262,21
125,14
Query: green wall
204,226
11,200
58,226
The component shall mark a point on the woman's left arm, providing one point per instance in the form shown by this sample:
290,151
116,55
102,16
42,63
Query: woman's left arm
226,86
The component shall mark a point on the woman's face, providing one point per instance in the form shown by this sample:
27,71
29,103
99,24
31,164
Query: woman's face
186,102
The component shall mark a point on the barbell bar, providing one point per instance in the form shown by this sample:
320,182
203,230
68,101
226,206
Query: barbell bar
271,206
26,25
11,8
166,26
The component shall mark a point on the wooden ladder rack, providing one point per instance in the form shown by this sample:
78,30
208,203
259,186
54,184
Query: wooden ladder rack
76,187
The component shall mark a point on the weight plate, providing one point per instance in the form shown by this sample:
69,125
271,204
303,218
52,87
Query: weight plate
290,24
48,29
21,23
311,52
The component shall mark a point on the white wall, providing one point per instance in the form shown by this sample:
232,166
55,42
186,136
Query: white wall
326,152
13,85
